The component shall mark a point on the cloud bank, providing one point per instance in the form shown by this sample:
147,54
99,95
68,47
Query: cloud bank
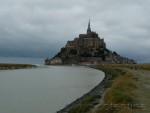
39,28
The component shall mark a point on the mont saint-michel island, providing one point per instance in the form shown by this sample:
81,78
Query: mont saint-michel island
120,90
88,48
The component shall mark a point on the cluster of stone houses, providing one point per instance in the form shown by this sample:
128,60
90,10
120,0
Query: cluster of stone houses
53,61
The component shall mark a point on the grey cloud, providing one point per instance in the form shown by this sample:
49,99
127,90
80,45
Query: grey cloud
39,28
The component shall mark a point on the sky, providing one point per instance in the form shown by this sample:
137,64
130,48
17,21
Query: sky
39,28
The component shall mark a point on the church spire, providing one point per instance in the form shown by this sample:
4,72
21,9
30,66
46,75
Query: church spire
89,27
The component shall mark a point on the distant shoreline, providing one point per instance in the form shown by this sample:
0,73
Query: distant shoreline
6,66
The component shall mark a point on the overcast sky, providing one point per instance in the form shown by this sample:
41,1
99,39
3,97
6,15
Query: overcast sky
39,28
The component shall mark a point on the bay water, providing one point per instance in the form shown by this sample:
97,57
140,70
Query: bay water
45,89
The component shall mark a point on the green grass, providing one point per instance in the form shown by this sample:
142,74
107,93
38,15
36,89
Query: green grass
109,70
90,101
121,90
86,104
15,66
132,66
108,84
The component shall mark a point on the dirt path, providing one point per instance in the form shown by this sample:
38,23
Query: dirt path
142,91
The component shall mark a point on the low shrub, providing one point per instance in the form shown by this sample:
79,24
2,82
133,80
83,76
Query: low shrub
86,104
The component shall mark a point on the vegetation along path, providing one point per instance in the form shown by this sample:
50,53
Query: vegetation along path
143,90
129,91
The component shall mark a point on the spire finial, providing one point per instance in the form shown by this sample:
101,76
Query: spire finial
89,27
89,24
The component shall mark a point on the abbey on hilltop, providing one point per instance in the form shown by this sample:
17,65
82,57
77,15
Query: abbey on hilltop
87,48
86,42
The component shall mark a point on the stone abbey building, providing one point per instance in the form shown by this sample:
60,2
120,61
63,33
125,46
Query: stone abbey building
88,48
86,42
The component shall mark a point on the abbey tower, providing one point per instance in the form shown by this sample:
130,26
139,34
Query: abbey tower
86,42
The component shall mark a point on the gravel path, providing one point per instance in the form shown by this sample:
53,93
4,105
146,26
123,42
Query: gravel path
142,91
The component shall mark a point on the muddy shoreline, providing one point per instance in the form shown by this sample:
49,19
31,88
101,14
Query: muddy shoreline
98,90
15,66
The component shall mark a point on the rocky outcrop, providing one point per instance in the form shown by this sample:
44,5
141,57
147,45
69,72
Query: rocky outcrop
102,56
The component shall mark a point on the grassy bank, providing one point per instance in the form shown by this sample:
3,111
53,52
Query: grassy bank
86,105
93,100
88,100
132,66
121,94
15,66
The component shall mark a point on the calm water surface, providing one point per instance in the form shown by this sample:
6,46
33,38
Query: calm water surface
44,89
22,60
